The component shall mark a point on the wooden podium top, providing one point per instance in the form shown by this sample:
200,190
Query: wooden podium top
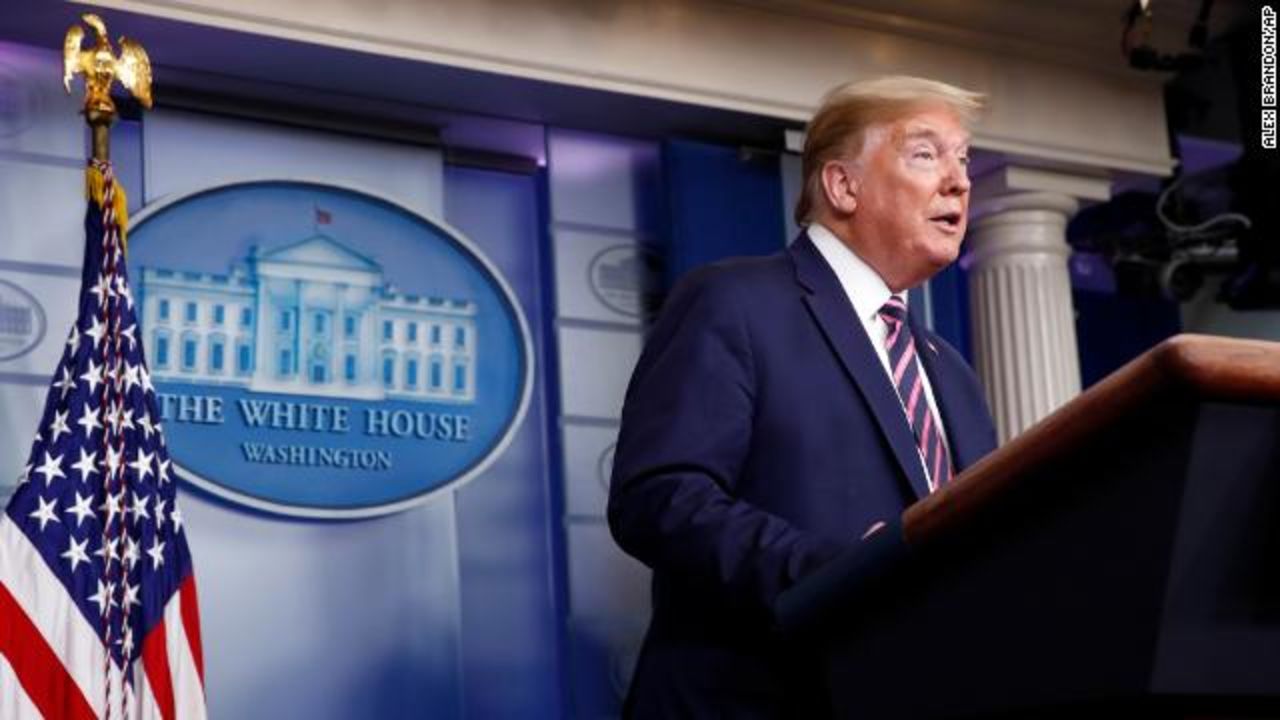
1193,366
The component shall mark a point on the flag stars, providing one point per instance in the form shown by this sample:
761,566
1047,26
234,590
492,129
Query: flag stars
102,410
114,460
126,646
144,422
131,553
87,465
52,468
101,289
66,384
81,508
130,377
96,331
128,334
59,425
104,598
139,508
142,464
89,419
93,375
111,505
45,513
122,289
109,552
131,594
113,417
75,553
157,553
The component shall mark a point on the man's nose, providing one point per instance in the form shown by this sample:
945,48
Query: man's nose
957,179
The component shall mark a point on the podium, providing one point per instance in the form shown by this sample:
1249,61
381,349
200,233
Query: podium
1119,559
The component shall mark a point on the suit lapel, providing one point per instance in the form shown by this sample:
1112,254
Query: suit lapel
964,446
830,307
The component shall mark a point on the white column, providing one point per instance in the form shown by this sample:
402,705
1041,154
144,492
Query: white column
1022,319
1020,299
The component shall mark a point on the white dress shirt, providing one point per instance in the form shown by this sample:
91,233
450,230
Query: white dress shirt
868,293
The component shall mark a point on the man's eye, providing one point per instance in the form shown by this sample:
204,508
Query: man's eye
964,160
922,154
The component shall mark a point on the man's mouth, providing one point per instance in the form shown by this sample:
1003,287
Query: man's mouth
950,222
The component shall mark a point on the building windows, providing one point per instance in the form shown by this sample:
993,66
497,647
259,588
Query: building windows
389,371
411,373
216,355
190,347
244,358
319,372
162,350
285,367
322,339
437,373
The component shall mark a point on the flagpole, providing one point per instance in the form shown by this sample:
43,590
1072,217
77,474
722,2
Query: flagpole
100,123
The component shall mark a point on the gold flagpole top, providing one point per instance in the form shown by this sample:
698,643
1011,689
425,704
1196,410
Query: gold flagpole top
100,67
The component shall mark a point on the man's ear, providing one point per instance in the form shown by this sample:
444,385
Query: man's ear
840,187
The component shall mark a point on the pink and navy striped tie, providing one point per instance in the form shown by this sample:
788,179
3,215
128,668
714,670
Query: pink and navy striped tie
901,347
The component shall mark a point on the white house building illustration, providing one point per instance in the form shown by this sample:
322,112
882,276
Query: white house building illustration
313,317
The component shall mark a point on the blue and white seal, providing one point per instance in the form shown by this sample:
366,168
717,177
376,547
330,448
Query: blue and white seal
322,352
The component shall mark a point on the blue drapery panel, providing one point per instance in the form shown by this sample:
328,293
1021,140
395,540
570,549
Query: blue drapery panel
723,202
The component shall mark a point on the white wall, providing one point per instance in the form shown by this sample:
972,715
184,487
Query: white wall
41,237
773,59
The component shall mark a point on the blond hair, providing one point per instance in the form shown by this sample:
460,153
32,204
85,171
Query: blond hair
839,127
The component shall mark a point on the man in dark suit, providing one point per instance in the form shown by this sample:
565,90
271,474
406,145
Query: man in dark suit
786,407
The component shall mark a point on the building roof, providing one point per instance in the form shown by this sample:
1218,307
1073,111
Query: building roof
322,251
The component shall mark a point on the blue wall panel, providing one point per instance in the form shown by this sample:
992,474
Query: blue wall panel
949,302
510,638
1111,330
723,202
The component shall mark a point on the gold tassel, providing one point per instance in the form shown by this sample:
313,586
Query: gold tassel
94,188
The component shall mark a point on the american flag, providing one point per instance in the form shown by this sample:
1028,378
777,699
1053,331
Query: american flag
98,615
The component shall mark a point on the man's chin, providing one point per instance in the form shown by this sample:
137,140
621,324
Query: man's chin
941,257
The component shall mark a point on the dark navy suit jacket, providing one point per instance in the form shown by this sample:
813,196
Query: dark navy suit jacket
760,438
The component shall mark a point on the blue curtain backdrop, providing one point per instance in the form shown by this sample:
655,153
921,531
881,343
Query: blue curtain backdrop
723,202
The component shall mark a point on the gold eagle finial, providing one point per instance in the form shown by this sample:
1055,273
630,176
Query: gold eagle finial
100,67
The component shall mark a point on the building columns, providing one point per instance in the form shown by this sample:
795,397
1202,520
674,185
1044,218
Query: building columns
1022,319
